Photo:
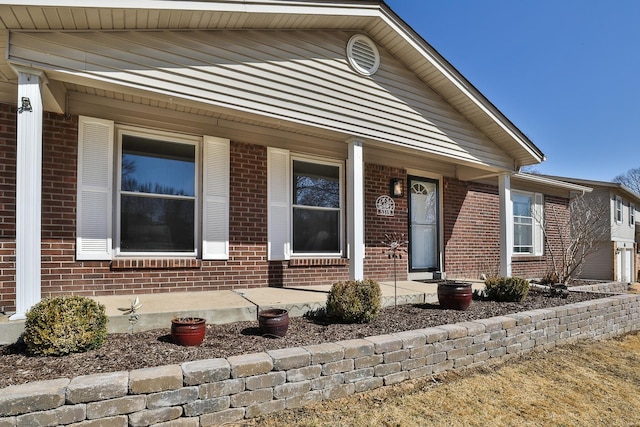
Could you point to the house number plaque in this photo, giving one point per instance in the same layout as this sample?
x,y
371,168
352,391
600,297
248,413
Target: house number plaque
x,y
385,206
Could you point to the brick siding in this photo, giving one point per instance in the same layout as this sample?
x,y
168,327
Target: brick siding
x,y
471,232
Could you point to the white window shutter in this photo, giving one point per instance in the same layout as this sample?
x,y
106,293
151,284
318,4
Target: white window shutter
x,y
279,199
95,197
538,224
215,203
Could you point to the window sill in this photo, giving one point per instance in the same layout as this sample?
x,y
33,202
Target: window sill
x,y
527,258
154,263
317,262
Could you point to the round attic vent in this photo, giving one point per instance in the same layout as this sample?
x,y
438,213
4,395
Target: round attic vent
x,y
363,54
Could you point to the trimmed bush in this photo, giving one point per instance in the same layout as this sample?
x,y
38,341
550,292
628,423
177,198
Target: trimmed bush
x,y
355,301
506,288
63,325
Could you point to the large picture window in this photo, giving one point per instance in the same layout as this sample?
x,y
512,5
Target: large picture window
x,y
317,207
157,197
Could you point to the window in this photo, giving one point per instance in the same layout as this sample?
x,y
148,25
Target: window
x,y
157,196
305,216
522,224
528,233
316,204
150,193
632,214
618,212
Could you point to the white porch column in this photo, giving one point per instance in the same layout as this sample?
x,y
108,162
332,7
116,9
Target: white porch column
x,y
506,224
28,190
355,210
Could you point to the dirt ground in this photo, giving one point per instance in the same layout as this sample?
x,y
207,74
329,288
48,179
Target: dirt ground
x,y
592,383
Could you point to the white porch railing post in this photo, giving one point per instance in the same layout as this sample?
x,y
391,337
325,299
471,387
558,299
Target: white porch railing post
x,y
355,210
506,224
28,191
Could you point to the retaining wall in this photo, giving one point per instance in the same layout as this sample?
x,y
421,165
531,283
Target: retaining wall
x,y
212,392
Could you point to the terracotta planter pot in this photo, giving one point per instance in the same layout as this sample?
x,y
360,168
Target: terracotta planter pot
x,y
274,322
188,331
455,295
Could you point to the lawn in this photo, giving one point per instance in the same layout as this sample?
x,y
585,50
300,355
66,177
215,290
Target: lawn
x,y
591,383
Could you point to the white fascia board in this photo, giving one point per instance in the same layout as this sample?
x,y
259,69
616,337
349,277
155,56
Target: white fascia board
x,y
538,179
454,76
258,6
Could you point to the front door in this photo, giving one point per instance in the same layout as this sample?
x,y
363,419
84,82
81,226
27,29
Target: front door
x,y
424,225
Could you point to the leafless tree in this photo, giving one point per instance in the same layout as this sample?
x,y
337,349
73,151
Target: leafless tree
x,y
630,179
571,238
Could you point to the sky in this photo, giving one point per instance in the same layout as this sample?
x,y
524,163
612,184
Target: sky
x,y
565,72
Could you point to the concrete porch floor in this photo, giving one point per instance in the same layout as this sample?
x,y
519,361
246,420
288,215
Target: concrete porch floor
x,y
219,307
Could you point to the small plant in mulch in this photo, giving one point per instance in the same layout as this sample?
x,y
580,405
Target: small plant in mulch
x,y
62,325
355,301
506,289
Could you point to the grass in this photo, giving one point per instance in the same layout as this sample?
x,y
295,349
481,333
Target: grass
x,y
591,383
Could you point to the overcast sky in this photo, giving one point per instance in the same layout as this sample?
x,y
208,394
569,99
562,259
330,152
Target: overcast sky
x,y
565,72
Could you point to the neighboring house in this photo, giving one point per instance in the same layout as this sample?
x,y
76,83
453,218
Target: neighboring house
x,y
190,146
617,256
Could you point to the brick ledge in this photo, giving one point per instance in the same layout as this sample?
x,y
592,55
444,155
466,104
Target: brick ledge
x,y
316,262
154,263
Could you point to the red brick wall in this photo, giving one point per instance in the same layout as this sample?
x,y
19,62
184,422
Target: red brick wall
x,y
61,274
377,264
472,232
471,229
7,206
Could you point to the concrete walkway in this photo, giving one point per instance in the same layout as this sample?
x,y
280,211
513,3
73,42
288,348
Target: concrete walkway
x,y
219,307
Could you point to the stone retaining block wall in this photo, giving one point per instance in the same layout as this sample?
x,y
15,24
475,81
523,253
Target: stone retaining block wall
x,y
212,392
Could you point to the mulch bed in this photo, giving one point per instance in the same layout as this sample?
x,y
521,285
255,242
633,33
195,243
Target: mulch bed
x,y
123,352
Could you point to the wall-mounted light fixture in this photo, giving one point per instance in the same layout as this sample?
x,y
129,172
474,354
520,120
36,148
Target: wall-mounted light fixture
x,y
397,187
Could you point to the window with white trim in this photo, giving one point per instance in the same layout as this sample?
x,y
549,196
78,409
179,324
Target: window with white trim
x,y
157,195
150,193
632,214
528,233
316,207
305,198
618,210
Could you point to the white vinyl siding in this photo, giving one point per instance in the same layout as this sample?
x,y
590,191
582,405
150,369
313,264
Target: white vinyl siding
x,y
95,180
300,77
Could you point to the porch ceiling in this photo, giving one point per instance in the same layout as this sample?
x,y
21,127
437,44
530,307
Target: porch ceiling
x,y
371,17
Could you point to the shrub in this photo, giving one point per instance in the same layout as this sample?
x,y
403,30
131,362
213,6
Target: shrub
x,y
506,288
355,301
63,325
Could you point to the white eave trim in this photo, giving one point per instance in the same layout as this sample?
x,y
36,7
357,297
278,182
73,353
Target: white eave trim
x,y
538,179
255,6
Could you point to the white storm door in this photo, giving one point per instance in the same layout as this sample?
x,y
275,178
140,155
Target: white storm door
x,y
423,225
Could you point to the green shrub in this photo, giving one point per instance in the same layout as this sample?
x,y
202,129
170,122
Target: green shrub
x,y
355,301
63,325
506,288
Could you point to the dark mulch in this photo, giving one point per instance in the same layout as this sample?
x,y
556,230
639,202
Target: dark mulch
x,y
123,352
